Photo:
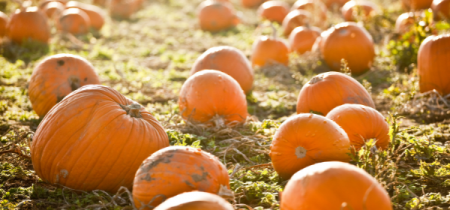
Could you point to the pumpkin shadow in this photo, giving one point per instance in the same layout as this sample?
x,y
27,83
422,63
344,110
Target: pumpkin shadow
x,y
28,51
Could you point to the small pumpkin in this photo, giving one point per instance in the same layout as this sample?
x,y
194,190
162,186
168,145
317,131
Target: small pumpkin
x,y
415,5
195,201
328,90
123,9
353,9
317,10
306,139
74,21
405,21
252,3
175,170
211,97
432,64
44,3
228,60
53,9
441,9
329,185
268,51
57,76
302,39
216,16
28,24
274,11
350,42
295,19
95,14
361,123
334,3
95,138
3,22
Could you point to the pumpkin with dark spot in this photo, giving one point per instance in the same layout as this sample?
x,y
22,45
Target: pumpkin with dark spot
x,y
95,138
55,77
175,170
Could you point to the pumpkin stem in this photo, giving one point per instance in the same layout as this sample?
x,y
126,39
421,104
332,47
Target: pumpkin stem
x,y
300,152
74,83
316,79
133,110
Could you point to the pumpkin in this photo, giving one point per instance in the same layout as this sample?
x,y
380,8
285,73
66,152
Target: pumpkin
x,y
175,170
28,24
274,11
350,42
53,9
316,8
122,8
43,4
195,201
228,60
216,16
74,21
212,97
95,138
3,22
295,19
328,90
415,5
268,51
94,13
432,64
353,9
330,185
441,9
334,3
302,39
405,21
57,76
251,3
361,123
306,139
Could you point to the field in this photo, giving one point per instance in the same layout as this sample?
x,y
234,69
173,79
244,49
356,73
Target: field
x,y
148,57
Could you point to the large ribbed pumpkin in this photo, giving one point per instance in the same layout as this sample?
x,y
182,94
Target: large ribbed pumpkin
x,y
95,14
268,51
95,138
316,8
74,21
195,201
334,185
212,97
415,5
328,90
28,24
57,76
295,19
350,42
306,139
274,11
361,123
441,9
432,64
358,8
175,170
302,39
3,22
216,16
228,60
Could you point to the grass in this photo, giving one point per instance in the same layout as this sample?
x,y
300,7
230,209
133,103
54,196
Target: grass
x,y
149,57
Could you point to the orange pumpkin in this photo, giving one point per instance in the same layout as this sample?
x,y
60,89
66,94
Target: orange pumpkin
x,y
195,201
28,24
361,123
328,90
274,11
252,3
175,170
212,97
302,39
3,22
95,138
95,14
306,139
216,16
405,21
441,9
415,5
57,76
330,185
295,19
334,3
44,3
353,9
122,8
432,64
74,21
228,60
268,51
350,42
53,9
317,10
